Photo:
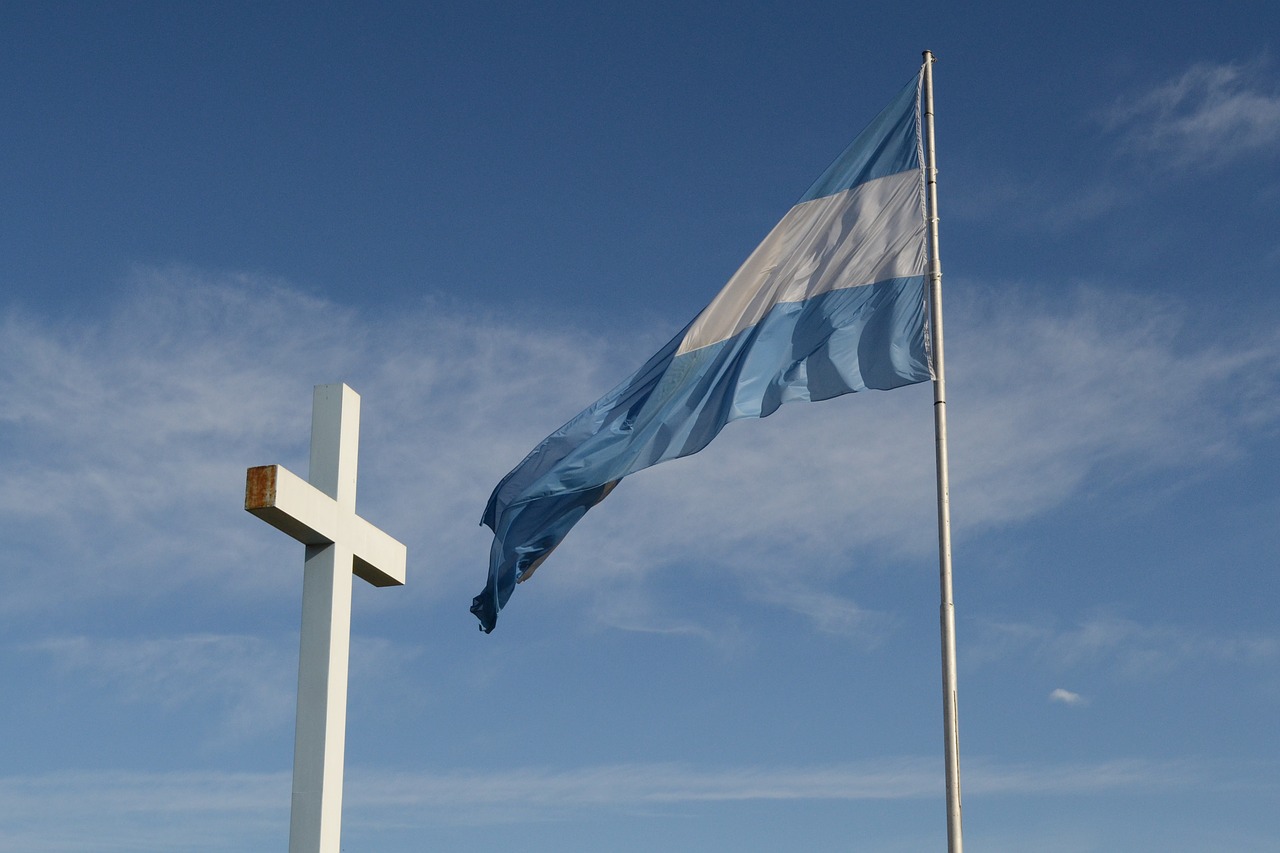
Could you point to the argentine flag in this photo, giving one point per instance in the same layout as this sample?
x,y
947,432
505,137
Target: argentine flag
x,y
832,301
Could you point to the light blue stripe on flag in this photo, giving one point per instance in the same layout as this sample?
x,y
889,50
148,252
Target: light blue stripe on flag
x,y
833,301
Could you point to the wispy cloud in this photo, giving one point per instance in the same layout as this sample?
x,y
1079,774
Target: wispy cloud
x,y
1051,398
130,436
1046,402
627,786
1066,697
1208,116
827,610
1129,648
80,812
242,685
244,681
215,811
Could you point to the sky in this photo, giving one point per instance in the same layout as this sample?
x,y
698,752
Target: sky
x,y
481,217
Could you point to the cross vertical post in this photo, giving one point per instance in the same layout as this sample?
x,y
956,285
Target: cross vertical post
x,y
321,513
319,746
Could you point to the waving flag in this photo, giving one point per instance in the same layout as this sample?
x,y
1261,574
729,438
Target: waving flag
x,y
832,301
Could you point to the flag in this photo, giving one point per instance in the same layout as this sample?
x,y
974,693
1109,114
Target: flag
x,y
833,301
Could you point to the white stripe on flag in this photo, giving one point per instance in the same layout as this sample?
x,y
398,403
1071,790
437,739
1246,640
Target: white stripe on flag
x,y
861,236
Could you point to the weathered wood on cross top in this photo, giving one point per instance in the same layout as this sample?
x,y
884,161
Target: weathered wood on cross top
x,y
320,512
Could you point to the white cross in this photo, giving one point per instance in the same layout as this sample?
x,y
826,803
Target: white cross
x,y
322,515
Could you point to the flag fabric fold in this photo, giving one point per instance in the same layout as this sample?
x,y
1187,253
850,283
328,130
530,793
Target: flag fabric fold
x,y
831,302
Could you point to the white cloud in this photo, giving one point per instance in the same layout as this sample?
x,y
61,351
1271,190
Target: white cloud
x,y
1044,404
1066,697
242,685
1209,115
81,812
1047,399
632,785
245,682
217,811
827,611
1124,646
130,435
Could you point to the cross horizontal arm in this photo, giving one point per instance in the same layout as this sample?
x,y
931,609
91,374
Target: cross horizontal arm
x,y
292,505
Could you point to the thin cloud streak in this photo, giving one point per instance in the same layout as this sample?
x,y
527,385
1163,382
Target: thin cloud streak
x,y
246,682
107,810
621,786
241,685
82,812
1128,648
1208,116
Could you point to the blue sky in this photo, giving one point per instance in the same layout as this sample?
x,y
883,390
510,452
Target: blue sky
x,y
482,216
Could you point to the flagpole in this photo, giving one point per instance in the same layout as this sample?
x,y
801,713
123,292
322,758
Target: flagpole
x,y
955,842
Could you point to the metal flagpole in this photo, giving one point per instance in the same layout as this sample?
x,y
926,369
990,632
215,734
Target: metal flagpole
x,y
955,842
